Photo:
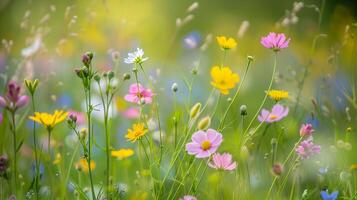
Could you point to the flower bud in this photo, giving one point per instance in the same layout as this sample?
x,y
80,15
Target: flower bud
x,y
3,163
243,110
250,58
126,76
174,87
204,123
110,75
277,169
87,58
73,117
194,71
97,78
306,130
195,110
83,134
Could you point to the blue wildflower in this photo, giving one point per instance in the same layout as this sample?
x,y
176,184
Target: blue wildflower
x,y
326,196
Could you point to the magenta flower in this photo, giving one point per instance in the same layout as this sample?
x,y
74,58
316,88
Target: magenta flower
x,y
277,113
131,113
307,148
139,94
306,130
188,197
222,162
204,144
12,99
275,41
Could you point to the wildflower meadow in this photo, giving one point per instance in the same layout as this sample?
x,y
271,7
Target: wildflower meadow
x,y
178,100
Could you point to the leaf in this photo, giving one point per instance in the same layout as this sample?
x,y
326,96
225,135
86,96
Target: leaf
x,y
19,146
80,191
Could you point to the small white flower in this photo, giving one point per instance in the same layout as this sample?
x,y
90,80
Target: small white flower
x,y
136,57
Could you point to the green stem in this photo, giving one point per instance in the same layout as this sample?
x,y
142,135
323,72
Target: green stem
x,y
14,148
35,149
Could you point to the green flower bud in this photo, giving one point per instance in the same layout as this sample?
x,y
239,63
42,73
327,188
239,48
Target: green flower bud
x,y
126,76
195,110
174,87
204,123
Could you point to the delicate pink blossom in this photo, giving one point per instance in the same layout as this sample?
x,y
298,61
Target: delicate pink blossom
x,y
204,143
275,41
138,94
188,197
306,130
13,98
277,113
307,148
222,161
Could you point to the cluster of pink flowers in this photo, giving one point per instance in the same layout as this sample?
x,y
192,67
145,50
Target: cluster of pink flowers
x,y
13,98
307,148
277,113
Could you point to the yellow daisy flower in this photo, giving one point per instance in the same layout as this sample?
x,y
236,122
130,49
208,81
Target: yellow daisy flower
x,y
278,95
223,79
49,120
122,153
82,165
226,43
136,133
58,159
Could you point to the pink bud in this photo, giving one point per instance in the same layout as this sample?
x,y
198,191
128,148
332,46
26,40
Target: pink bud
x,y
306,130
23,100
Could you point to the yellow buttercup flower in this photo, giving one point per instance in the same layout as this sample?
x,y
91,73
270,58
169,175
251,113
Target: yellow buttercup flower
x,y
278,95
223,79
82,165
122,153
136,133
49,120
226,43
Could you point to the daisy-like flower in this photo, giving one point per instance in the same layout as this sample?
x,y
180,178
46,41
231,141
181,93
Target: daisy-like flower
x,y
275,41
277,113
222,162
122,153
13,99
136,57
223,79
204,143
138,94
137,131
307,148
82,165
188,197
278,95
306,130
49,120
326,196
226,43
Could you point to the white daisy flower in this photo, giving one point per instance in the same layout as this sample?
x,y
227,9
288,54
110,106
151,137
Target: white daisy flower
x,y
136,57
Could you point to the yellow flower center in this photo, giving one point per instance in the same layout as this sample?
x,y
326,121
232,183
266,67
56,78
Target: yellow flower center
x,y
272,117
206,145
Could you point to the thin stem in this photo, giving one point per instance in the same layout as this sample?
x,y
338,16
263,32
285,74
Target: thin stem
x,y
14,148
221,124
35,148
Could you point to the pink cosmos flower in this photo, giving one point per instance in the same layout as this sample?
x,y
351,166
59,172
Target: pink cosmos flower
x,y
275,41
139,94
223,162
131,113
306,130
277,113
307,148
204,144
188,197
12,99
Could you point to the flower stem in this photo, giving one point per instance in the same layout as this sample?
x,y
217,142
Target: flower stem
x,y
35,149
14,148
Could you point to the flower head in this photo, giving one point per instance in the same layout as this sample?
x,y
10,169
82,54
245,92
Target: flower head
x,y
223,79
275,41
138,94
326,196
49,120
136,57
306,130
13,98
82,165
204,143
278,95
222,162
307,148
277,113
122,153
188,197
226,43
136,132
